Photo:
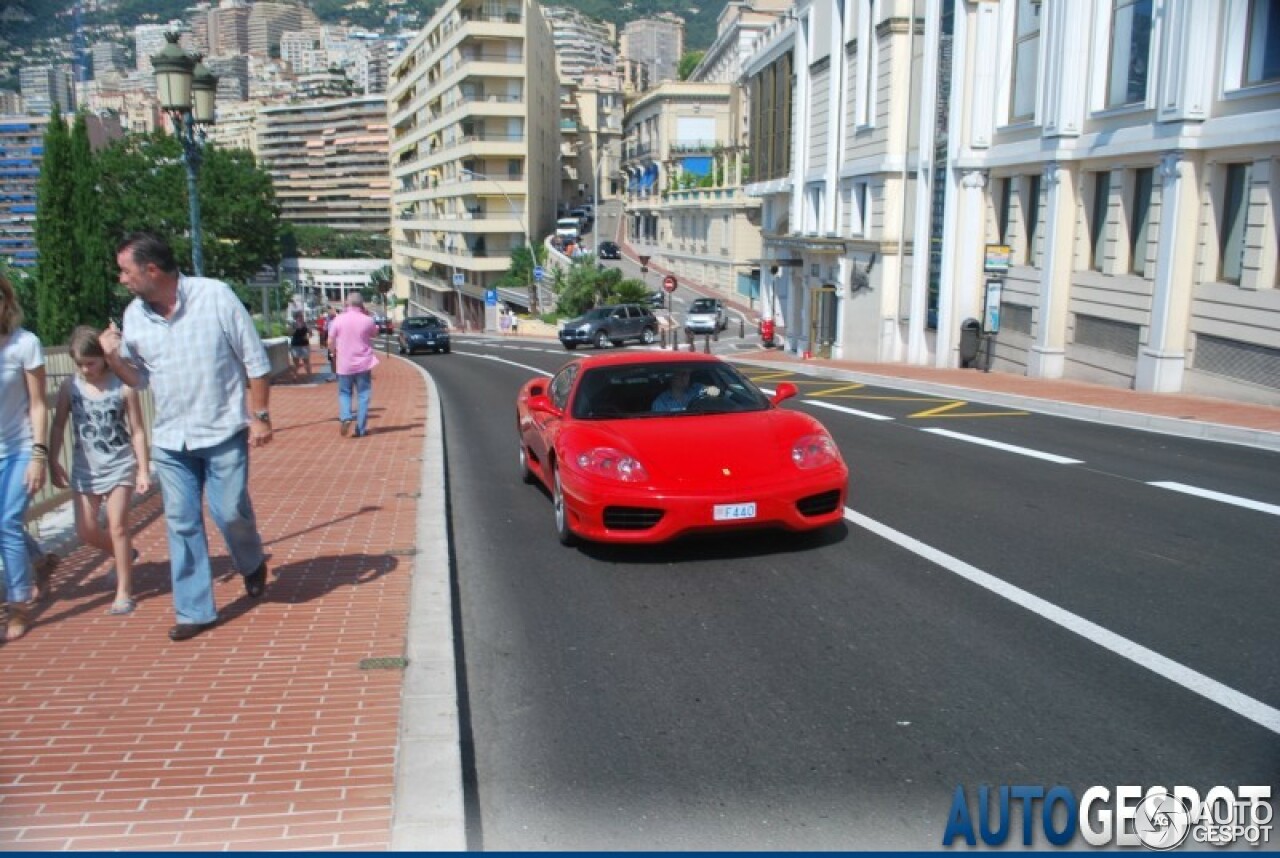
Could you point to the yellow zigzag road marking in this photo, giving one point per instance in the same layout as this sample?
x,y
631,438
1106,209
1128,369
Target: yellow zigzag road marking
x,y
945,410
834,390
769,376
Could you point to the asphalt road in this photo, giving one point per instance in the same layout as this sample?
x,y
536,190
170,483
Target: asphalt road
x,y
1046,612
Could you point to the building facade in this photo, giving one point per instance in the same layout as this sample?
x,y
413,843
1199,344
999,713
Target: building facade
x,y
656,45
21,153
474,114
581,43
1096,189
328,161
44,85
686,206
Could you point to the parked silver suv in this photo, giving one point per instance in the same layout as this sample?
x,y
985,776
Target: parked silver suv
x,y
706,316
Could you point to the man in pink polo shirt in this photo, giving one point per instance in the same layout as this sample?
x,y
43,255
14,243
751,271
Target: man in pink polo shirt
x,y
351,335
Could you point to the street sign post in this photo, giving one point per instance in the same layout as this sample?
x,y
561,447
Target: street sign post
x,y
644,264
459,279
538,273
669,283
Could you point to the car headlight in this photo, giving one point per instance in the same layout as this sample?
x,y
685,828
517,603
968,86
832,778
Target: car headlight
x,y
612,464
814,451
584,329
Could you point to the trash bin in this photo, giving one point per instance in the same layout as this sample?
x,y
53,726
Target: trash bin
x,y
970,340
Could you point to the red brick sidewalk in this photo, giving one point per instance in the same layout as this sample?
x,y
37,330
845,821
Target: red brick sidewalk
x,y
264,733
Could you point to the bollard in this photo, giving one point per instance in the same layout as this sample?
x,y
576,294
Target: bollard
x,y
706,344
662,338
742,327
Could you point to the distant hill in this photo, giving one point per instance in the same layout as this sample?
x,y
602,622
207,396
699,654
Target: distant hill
x,y
44,28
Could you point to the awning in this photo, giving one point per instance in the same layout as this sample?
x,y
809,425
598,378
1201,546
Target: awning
x,y
421,264
813,244
650,176
700,166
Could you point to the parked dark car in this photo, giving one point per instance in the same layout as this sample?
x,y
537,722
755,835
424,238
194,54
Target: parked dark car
x,y
384,324
614,325
657,300
610,250
424,332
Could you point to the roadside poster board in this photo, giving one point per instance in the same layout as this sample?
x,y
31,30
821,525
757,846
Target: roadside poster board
x,y
995,259
991,305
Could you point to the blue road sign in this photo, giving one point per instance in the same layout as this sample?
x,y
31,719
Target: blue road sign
x,y
538,273
459,279
491,297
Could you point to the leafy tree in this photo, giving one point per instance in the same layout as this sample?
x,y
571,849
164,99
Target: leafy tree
x,y
688,63
55,235
143,184
520,274
586,286
24,287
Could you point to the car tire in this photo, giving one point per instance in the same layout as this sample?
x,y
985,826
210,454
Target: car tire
x,y
448,348
400,348
563,531
647,336
569,346
602,340
526,475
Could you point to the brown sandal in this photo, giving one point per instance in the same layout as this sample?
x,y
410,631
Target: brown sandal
x,y
44,570
19,617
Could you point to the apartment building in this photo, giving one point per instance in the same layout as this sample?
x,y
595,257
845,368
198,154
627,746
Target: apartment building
x,y
44,85
474,115
328,161
21,153
228,28
686,206
269,21
1096,189
581,43
656,45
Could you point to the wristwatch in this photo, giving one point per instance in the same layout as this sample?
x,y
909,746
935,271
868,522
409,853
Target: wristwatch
x,y
264,416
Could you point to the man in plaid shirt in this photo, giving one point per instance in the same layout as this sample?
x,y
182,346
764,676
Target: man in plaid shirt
x,y
193,343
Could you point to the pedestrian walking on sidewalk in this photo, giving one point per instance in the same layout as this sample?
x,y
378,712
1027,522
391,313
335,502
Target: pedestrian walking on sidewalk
x,y
108,456
351,339
193,343
24,452
300,347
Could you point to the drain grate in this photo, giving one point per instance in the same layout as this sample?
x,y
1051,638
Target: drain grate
x,y
385,663
401,552
412,495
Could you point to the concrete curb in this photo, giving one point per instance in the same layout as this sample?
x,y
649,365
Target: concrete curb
x,y
428,808
1111,416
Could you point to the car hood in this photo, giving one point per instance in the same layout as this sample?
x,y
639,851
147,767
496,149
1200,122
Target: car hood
x,y
700,449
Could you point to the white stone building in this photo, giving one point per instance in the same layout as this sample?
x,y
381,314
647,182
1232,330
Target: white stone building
x,y
1125,153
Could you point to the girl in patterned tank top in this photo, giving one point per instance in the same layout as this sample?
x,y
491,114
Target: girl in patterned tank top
x,y
109,456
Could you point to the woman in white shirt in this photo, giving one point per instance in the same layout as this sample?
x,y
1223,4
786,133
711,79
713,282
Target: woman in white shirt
x,y
24,452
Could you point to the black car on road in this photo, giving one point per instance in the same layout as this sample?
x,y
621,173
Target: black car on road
x,y
424,332
609,250
612,325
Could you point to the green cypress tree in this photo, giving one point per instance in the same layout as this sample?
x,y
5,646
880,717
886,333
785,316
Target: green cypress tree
x,y
55,239
95,263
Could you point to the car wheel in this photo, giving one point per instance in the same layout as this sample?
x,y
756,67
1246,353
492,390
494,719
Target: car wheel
x,y
448,348
526,475
563,531
401,347
569,346
647,336
602,340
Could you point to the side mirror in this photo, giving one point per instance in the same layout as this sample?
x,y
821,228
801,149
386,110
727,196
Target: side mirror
x,y
542,404
784,391
537,389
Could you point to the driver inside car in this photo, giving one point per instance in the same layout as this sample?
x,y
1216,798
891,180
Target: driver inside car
x,y
683,390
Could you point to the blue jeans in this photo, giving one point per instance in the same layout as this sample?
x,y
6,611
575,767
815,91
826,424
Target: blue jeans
x,y
222,473
364,386
13,508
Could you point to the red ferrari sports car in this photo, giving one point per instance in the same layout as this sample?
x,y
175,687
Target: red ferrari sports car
x,y
646,446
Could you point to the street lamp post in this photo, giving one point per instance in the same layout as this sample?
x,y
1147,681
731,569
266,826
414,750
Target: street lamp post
x,y
533,257
186,89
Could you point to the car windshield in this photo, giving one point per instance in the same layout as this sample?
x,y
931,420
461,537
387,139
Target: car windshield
x,y
637,391
703,305
421,322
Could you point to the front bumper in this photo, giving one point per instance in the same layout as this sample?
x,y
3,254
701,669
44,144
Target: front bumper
x,y
615,512
576,337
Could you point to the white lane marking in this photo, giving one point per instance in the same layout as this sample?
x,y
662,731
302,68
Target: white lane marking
x,y
1194,681
497,359
855,412
1218,496
1008,448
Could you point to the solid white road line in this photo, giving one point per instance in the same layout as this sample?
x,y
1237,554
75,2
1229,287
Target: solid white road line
x,y
855,412
1271,508
1210,689
497,359
1008,448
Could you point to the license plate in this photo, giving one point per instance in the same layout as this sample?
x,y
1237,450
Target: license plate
x,y
733,511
